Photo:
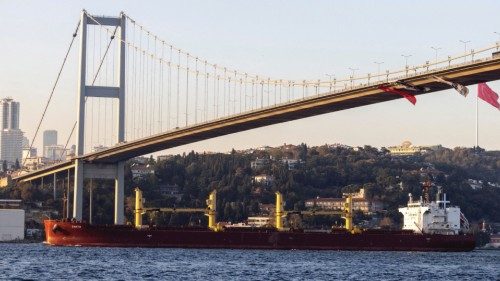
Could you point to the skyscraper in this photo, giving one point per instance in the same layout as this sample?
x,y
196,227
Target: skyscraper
x,y
9,110
49,139
11,138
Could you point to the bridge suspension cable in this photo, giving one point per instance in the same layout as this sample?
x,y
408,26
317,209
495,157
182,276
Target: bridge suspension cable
x,y
168,87
52,91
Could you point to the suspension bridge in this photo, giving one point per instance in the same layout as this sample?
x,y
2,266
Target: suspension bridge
x,y
138,94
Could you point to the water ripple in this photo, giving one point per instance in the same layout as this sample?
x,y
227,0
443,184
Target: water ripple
x,y
40,262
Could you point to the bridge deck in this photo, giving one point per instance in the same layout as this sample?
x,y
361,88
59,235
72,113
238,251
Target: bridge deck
x,y
467,74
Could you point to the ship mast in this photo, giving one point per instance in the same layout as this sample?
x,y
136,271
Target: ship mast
x,y
425,191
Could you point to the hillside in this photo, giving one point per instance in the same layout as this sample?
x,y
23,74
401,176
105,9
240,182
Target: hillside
x,y
470,178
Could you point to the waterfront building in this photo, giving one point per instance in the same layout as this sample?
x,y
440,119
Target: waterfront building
x,y
11,224
264,179
259,163
162,158
266,208
291,163
359,203
34,163
494,241
10,203
171,190
141,170
407,148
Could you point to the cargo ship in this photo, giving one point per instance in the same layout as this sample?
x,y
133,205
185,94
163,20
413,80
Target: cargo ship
x,y
428,226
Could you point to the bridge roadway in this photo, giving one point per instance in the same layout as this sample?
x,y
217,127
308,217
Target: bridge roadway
x,y
470,73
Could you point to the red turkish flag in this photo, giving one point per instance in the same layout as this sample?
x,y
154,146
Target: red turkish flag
x,y
402,93
486,93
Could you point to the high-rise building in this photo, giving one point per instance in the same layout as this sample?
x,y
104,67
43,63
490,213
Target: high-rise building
x,y
11,137
9,111
49,139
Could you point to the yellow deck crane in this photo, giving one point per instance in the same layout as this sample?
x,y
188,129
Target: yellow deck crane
x,y
346,213
210,211
279,212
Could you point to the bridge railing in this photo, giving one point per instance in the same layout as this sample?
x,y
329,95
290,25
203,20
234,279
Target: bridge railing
x,y
471,57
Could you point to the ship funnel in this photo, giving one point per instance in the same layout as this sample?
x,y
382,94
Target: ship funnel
x,y
138,208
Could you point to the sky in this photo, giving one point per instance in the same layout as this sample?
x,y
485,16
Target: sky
x,y
292,39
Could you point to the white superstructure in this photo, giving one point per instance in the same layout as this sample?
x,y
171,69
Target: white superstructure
x,y
432,217
258,221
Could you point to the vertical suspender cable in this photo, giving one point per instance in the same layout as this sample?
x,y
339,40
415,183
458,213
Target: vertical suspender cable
x,y
214,94
234,93
241,89
160,102
178,88
229,100
153,89
169,95
205,100
245,95
187,87
261,94
196,93
224,93
134,71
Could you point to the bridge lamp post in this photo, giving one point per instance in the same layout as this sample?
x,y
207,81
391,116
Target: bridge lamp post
x,y
331,76
352,75
406,62
465,48
378,63
436,49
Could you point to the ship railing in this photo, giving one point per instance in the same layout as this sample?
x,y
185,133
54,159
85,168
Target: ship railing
x,y
464,221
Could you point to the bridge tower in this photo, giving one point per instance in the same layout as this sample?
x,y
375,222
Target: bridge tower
x,y
102,171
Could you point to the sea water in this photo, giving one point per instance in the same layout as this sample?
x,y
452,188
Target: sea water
x,y
41,262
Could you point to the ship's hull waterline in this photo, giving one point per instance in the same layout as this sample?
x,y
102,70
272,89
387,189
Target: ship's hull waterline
x,y
65,233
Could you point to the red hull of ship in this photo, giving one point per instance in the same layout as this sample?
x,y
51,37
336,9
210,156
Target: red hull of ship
x,y
59,233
